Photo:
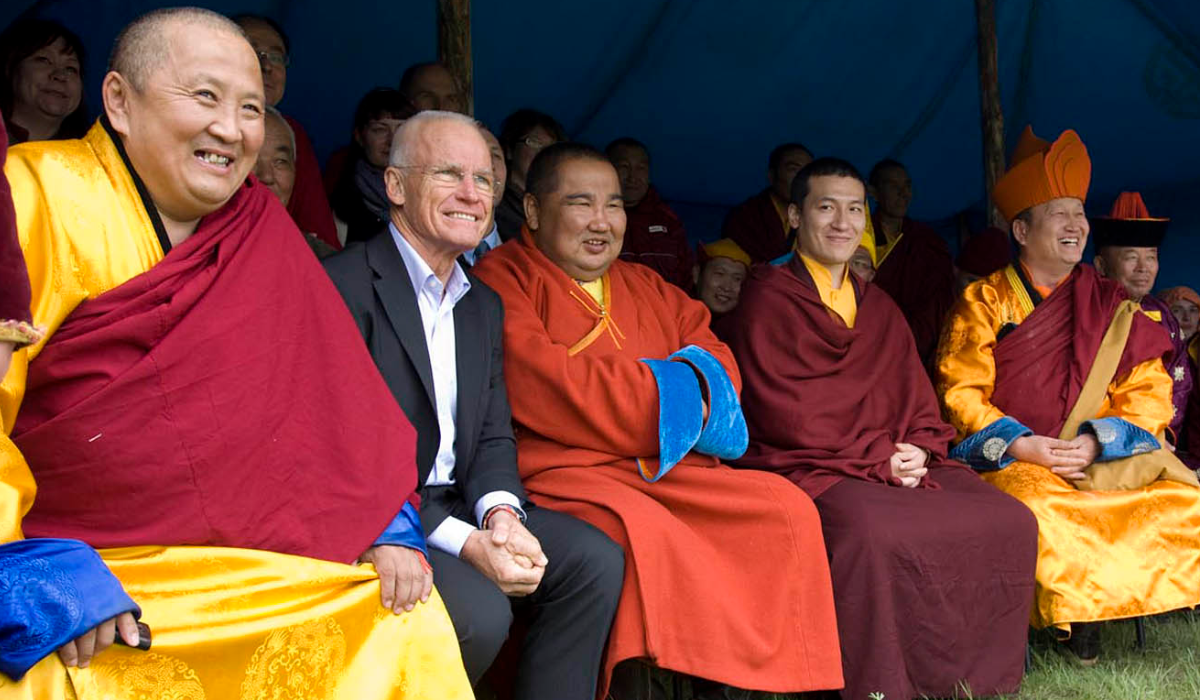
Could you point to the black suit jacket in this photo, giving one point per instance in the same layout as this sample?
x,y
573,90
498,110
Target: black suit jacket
x,y
376,286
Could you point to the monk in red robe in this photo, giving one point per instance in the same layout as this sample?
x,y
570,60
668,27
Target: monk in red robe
x,y
914,263
654,234
933,569
168,450
308,205
623,402
759,224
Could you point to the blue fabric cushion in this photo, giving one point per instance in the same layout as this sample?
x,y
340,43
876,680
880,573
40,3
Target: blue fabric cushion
x,y
52,591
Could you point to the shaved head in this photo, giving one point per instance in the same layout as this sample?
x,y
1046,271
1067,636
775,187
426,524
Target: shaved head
x,y
143,44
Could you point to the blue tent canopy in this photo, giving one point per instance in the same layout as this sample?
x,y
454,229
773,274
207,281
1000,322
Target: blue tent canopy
x,y
712,86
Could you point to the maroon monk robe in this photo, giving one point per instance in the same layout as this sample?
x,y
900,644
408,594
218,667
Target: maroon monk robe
x,y
918,273
224,397
655,237
14,278
756,227
309,205
1042,363
932,585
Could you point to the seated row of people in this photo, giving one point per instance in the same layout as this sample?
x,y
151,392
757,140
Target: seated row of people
x,y
556,433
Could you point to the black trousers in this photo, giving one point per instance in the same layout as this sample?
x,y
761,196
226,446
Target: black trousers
x,y
570,613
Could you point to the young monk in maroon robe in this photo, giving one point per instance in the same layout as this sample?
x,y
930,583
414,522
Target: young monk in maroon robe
x,y
725,574
933,569
759,224
915,267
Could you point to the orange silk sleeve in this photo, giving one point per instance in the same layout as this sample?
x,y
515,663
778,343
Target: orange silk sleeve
x,y
1142,397
966,368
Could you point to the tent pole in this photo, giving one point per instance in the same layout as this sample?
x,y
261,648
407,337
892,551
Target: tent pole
x,y
454,45
989,104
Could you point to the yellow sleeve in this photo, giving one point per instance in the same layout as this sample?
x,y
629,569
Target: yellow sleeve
x,y
17,486
966,368
1142,397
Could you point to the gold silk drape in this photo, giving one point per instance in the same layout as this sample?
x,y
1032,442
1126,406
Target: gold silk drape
x,y
1102,555
227,623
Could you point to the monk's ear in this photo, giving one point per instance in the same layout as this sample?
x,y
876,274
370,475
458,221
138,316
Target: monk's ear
x,y
117,93
793,215
395,185
531,211
1020,231
872,191
696,275
1099,264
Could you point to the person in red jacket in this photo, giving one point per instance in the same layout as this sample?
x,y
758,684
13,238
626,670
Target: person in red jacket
x,y
654,234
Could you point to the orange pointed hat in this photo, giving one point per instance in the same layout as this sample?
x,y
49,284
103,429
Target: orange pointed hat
x,y
1041,171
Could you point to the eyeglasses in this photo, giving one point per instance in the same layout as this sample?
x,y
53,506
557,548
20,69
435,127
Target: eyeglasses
x,y
453,177
275,58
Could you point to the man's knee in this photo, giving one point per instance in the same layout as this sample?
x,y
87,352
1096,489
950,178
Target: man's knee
x,y
597,564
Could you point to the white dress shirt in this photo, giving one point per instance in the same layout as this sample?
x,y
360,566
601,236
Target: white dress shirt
x,y
436,304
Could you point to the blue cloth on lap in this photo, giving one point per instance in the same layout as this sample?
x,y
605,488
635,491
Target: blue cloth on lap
x,y
52,591
725,435
680,413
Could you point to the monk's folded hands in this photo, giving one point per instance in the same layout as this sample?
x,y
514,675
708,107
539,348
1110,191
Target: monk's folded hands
x,y
1063,457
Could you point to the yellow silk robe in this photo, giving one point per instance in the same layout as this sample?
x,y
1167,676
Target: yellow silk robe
x,y
1102,555
227,623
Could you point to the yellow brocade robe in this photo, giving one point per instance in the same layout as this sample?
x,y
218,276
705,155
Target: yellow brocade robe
x,y
1102,555
227,623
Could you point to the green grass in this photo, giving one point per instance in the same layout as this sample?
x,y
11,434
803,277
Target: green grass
x,y
1168,668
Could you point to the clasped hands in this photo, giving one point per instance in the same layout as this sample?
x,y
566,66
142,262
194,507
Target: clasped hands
x,y
1066,458
507,553
909,464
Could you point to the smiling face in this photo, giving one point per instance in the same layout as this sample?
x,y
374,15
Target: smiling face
x,y
720,284
1052,240
1135,268
47,81
831,220
580,226
439,204
194,130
